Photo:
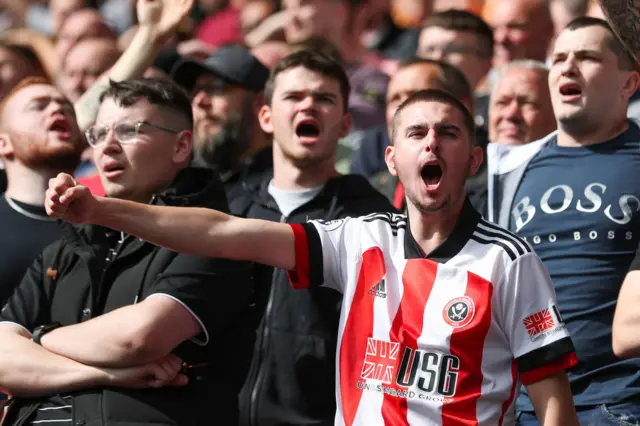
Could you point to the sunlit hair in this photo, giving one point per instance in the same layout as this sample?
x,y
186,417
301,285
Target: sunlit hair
x,y
25,82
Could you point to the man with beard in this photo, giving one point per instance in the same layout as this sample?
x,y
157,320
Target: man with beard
x,y
440,319
39,138
227,95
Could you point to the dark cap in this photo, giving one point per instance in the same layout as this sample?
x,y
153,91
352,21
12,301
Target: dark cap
x,y
231,63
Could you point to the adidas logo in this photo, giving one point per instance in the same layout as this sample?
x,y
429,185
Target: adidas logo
x,y
379,290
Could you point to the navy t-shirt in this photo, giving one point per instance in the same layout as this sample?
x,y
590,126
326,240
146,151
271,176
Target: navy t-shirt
x,y
579,208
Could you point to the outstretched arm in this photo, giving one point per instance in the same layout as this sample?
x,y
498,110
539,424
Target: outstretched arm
x,y
196,231
624,16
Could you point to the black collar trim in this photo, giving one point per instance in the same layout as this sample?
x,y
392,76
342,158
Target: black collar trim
x,y
452,245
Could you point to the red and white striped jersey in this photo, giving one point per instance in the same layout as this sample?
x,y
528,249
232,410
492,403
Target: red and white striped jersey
x,y
440,340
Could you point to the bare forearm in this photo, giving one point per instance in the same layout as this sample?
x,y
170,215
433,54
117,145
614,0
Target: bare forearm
x,y
29,370
140,54
201,232
624,16
626,321
553,402
106,341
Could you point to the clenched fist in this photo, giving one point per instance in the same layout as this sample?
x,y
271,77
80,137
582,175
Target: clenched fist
x,y
66,199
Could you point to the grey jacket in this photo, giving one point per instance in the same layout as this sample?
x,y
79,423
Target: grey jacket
x,y
506,166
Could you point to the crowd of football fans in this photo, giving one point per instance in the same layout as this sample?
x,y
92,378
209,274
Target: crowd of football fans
x,y
555,96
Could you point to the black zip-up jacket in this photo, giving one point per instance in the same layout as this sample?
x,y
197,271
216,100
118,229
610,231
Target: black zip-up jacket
x,y
292,375
73,281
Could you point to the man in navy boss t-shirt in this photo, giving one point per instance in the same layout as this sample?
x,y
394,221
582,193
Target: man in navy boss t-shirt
x,y
575,197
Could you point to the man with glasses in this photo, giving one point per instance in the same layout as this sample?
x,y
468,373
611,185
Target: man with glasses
x,y
108,328
226,92
465,41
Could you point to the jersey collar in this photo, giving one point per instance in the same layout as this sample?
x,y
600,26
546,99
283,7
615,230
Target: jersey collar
x,y
454,243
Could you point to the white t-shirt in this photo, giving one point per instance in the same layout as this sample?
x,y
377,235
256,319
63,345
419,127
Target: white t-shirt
x,y
288,200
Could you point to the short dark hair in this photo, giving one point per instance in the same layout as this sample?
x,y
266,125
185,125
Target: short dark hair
x,y
462,20
441,96
453,80
625,59
318,44
156,91
313,61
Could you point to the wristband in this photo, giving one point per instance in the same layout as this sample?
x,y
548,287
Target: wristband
x,y
42,330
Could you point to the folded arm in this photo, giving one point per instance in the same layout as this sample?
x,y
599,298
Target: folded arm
x,y
126,337
29,370
552,400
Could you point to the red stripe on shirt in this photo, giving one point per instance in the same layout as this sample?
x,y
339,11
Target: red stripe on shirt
x,y
357,330
300,276
562,363
417,279
467,344
512,394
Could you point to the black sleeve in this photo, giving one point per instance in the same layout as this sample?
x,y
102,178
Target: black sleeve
x,y
215,291
28,306
635,263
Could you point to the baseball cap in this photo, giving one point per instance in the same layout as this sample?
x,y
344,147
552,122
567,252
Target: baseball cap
x,y
233,64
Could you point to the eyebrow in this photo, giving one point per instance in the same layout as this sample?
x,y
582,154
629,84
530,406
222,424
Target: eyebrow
x,y
59,99
313,93
579,52
438,126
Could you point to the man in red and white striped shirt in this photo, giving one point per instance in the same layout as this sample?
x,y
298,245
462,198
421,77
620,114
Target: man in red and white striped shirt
x,y
443,315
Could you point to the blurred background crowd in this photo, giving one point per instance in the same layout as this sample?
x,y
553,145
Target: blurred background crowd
x,y
493,55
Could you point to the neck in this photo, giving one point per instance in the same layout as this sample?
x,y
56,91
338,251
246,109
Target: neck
x,y
430,229
291,177
27,185
593,135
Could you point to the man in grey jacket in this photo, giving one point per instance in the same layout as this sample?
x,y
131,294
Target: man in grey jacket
x,y
574,197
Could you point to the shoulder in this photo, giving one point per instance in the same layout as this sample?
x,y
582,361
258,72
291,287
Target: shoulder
x,y
391,222
358,197
502,159
491,235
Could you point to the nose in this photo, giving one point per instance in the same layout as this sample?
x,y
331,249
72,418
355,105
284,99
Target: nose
x,y
202,100
568,66
110,143
433,141
306,104
512,111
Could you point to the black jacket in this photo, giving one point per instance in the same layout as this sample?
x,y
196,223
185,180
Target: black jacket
x,y
84,284
291,380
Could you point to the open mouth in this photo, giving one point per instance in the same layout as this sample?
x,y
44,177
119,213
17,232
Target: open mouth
x,y
308,129
111,168
570,89
60,125
431,175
